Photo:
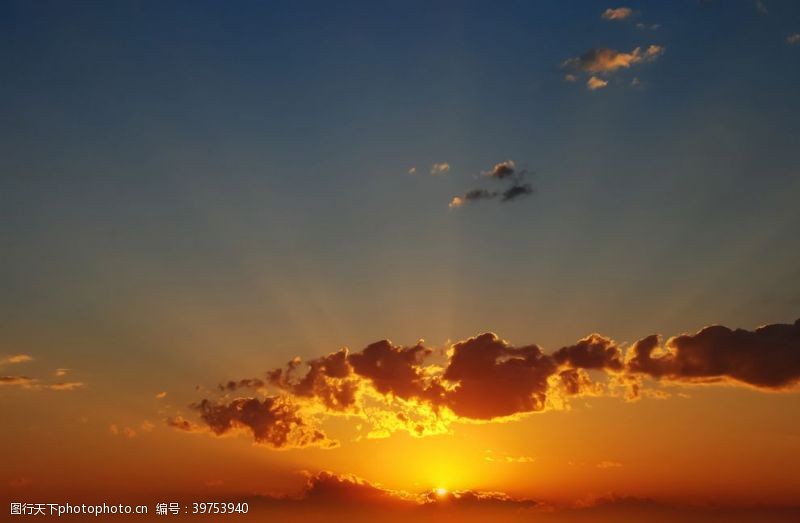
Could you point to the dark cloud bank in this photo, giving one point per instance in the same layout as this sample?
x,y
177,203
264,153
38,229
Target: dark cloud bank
x,y
485,378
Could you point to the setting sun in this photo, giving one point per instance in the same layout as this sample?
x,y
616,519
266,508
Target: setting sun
x,y
441,492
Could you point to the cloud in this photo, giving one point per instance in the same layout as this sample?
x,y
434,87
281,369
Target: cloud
x,y
389,388
619,13
515,191
793,39
471,196
16,358
505,171
246,383
440,168
608,465
494,379
569,77
594,83
329,489
396,370
28,383
71,385
494,457
161,395
328,379
413,170
592,352
127,432
17,381
605,61
501,170
274,421
761,8
181,423
768,357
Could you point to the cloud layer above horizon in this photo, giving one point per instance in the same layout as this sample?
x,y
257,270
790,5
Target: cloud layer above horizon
x,y
423,391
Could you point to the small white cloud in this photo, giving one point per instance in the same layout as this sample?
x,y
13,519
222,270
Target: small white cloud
x,y
793,39
440,168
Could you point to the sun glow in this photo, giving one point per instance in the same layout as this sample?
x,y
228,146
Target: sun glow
x,y
441,492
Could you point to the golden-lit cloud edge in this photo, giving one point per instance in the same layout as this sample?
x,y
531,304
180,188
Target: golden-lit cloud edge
x,y
483,379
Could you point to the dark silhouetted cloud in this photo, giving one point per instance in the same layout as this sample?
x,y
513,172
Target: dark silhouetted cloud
x,y
494,379
274,421
768,357
505,171
390,387
516,191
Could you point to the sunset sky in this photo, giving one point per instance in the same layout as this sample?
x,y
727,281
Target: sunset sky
x,y
493,207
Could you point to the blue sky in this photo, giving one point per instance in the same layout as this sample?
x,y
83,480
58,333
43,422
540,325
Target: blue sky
x,y
207,174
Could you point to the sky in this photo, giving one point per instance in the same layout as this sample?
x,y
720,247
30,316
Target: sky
x,y
518,195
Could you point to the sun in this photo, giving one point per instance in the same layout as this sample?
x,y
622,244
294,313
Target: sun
x,y
441,492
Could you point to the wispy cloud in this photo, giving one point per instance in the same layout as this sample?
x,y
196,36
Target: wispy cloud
x,y
15,358
29,383
603,60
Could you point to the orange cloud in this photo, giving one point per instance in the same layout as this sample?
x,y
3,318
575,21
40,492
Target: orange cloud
x,y
28,383
71,385
594,83
619,13
16,358
17,381
604,61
